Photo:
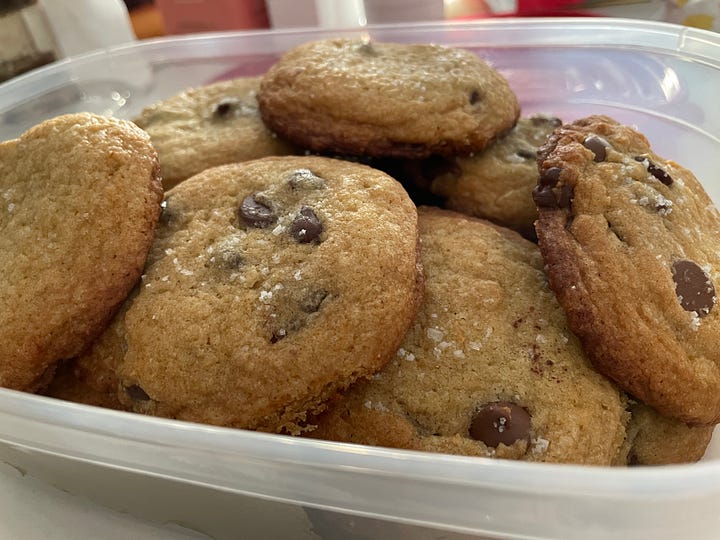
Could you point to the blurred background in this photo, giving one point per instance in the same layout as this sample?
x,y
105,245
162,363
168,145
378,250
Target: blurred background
x,y
36,32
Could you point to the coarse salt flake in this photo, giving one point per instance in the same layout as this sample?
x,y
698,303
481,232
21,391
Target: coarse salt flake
x,y
539,445
434,333
265,296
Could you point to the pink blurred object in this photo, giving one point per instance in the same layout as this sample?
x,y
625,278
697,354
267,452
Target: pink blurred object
x,y
193,16
545,7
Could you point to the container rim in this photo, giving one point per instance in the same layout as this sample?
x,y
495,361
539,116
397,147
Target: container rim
x,y
694,44
74,421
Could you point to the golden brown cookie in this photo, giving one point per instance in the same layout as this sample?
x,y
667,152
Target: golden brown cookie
x,y
271,285
91,378
659,440
497,183
207,126
80,199
631,243
489,368
386,99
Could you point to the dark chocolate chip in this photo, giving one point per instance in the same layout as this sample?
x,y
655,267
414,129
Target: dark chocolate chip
x,y
224,107
256,214
656,171
306,227
526,154
566,197
305,179
277,335
544,197
693,287
541,120
544,194
500,422
136,393
598,146
474,97
549,177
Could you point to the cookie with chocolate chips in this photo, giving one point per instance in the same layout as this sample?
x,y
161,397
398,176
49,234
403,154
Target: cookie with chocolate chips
x,y
489,367
356,97
208,126
631,243
271,285
497,183
80,199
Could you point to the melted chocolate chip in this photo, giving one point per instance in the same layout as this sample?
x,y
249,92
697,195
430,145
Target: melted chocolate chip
x,y
136,393
566,196
547,197
540,120
500,422
474,97
598,146
693,287
224,107
305,179
256,214
656,171
549,177
544,197
299,308
526,154
306,227
277,335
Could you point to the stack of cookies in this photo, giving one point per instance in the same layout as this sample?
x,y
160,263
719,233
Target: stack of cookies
x,y
295,278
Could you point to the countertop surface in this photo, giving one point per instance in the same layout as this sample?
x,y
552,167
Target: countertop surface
x,y
32,510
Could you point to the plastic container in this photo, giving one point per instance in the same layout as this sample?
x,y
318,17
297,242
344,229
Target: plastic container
x,y
233,483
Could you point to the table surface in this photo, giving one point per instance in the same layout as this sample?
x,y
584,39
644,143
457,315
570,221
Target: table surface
x,y
33,510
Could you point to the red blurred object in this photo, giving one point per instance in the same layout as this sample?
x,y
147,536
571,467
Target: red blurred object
x,y
529,7
189,16
539,8
551,8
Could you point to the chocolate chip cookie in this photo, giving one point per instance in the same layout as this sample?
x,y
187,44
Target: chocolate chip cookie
x,y
489,367
271,285
359,97
497,183
659,440
80,199
208,126
91,378
631,243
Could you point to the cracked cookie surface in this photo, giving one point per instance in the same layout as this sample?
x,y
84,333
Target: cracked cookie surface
x,y
631,243
272,284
